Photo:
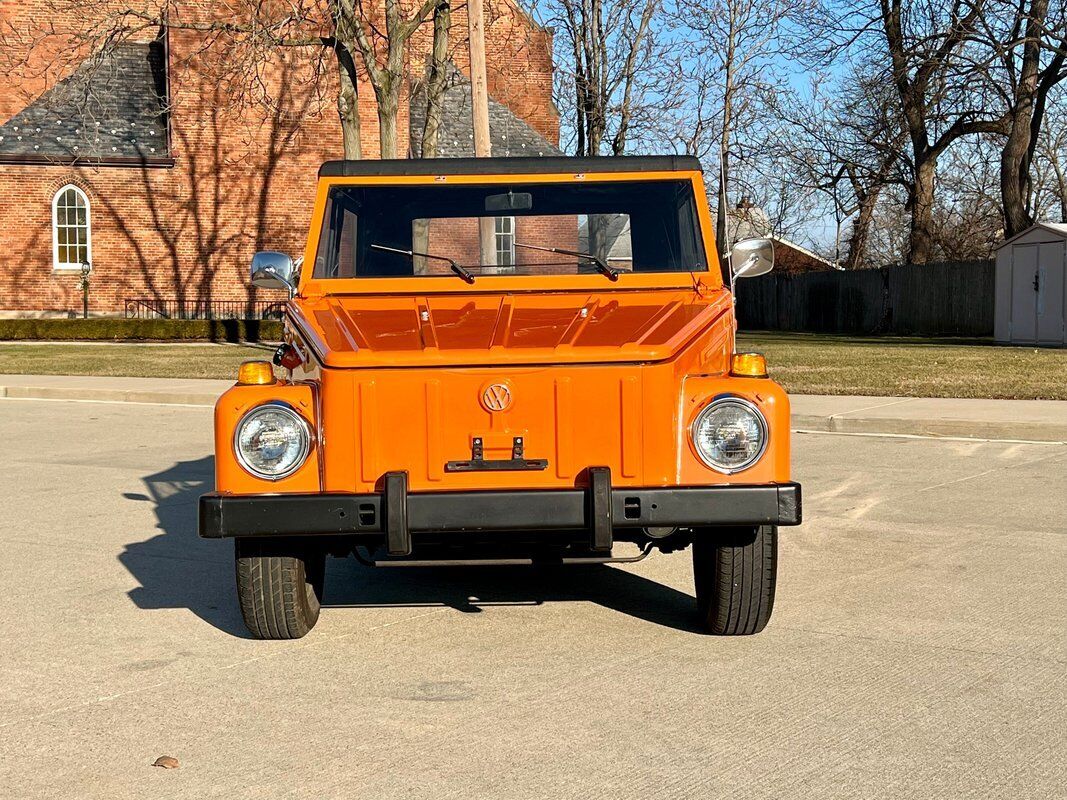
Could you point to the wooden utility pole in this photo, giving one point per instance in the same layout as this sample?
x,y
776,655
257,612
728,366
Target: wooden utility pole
x,y
483,147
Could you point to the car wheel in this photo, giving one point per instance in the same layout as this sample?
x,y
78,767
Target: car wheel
x,y
735,571
279,585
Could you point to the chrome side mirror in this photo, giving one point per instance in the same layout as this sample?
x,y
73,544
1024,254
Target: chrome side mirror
x,y
273,270
752,257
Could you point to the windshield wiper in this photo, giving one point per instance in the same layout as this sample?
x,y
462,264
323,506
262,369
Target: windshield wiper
x,y
601,266
456,268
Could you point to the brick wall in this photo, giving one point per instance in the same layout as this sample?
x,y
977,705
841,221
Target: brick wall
x,y
243,175
458,239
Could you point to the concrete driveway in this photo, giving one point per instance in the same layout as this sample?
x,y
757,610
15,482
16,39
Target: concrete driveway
x,y
917,647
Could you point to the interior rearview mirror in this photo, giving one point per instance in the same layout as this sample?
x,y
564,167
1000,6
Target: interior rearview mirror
x,y
512,201
752,257
273,270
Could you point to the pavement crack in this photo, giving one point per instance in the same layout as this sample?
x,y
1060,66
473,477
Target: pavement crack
x,y
841,414
983,473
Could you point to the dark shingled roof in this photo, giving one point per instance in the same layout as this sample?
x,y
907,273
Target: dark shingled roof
x,y
113,107
510,136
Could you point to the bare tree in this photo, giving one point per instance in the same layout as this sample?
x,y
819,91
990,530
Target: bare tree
x,y
1032,47
435,85
386,73
924,42
967,212
437,79
606,60
962,69
736,45
846,144
889,230
1050,171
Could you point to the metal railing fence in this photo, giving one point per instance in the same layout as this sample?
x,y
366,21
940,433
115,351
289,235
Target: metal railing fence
x,y
154,308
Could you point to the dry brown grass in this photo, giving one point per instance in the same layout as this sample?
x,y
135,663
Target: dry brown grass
x,y
132,360
810,364
803,363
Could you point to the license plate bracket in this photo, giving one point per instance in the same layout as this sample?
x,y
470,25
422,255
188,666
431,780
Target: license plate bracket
x,y
479,463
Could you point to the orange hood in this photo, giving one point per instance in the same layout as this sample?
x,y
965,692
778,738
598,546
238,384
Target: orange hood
x,y
502,328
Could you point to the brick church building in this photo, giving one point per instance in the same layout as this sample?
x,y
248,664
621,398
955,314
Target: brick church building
x,y
147,165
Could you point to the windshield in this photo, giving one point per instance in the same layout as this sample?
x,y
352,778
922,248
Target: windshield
x,y
510,229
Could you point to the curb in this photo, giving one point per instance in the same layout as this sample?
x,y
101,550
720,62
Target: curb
x,y
954,428
206,400
1018,430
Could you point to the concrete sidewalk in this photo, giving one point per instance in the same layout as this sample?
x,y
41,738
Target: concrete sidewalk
x,y
166,391
1030,420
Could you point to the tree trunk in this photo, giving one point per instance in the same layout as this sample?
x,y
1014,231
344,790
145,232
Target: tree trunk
x,y
436,81
593,39
721,210
618,143
1026,116
348,111
722,222
921,240
1015,178
861,229
594,136
435,96
1017,153
580,93
579,119
388,106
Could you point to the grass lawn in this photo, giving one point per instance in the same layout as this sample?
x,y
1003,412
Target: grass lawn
x,y
907,367
803,363
133,360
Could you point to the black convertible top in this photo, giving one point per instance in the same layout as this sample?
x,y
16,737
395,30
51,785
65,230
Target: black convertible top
x,y
524,165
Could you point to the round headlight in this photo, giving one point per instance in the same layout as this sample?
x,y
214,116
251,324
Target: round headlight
x,y
730,434
272,441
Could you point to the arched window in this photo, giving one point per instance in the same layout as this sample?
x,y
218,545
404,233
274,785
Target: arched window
x,y
72,243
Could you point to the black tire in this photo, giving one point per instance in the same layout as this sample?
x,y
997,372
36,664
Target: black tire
x,y
735,571
279,585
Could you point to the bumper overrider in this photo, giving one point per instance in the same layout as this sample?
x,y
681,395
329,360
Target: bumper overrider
x,y
598,509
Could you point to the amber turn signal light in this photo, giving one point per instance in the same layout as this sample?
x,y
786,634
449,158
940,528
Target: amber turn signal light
x,y
748,365
255,373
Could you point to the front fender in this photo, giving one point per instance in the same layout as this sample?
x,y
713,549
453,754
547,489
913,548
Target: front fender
x,y
768,397
230,476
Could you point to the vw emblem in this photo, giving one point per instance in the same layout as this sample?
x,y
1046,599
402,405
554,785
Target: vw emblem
x,y
496,397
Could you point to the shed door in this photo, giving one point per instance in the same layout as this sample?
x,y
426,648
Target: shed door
x,y
1023,293
1050,270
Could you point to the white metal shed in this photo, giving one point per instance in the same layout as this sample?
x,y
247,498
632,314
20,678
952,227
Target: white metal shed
x,y
1031,286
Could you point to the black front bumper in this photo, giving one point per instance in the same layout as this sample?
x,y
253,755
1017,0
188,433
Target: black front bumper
x,y
599,509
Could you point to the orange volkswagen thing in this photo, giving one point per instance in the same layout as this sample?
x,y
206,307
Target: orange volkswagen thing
x,y
505,361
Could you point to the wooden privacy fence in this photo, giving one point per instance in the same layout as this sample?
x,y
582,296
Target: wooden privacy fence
x,y
950,299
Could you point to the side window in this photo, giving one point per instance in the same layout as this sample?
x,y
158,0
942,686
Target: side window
x,y
505,241
71,229
336,256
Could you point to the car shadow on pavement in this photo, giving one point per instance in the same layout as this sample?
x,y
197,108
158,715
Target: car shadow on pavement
x,y
176,568
350,584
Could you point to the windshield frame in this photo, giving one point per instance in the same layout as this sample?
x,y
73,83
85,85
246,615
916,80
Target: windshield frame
x,y
311,286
